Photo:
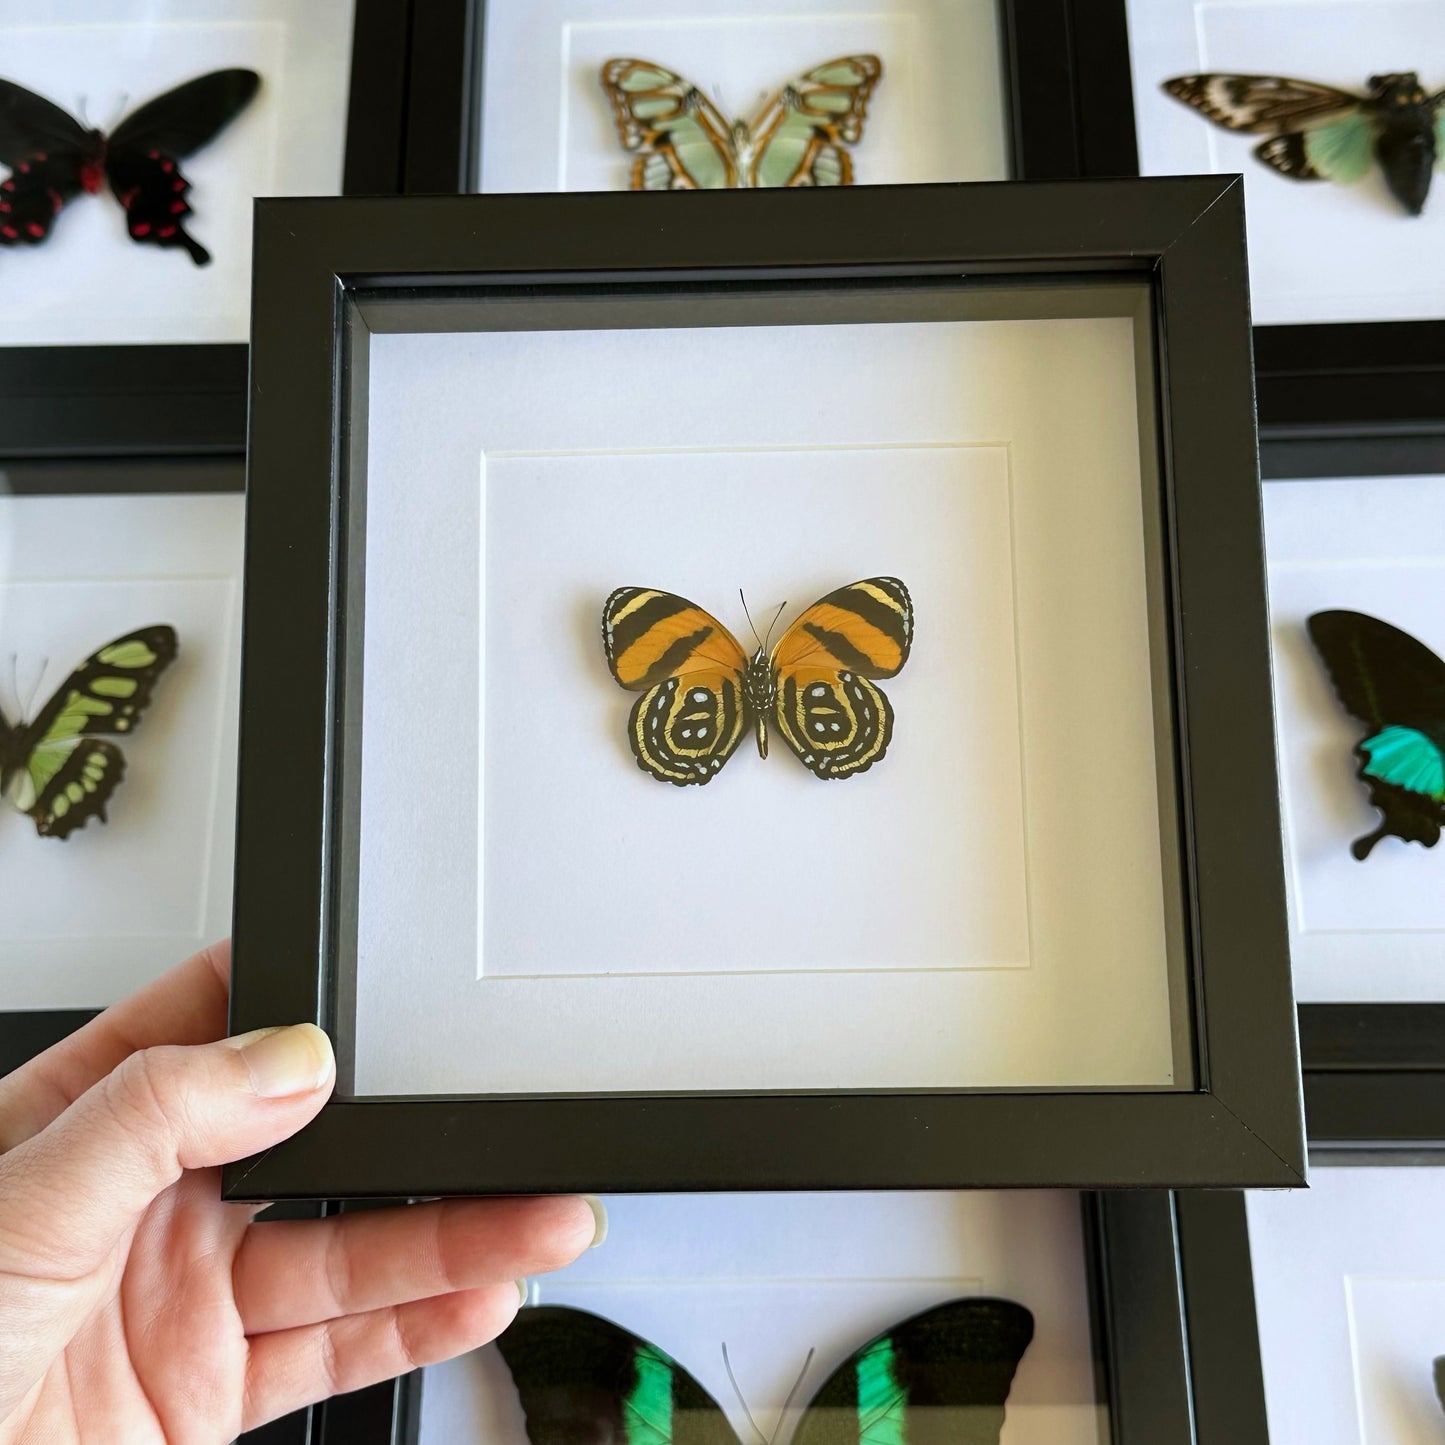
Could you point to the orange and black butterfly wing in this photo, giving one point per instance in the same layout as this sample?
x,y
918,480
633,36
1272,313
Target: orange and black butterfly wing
x,y
828,708
689,668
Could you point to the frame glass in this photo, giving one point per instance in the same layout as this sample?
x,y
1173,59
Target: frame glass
x,y
425,285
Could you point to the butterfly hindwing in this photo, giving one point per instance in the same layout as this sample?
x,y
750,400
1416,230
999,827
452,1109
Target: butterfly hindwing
x,y
55,768
584,1381
828,709
940,1378
693,711
1396,686
682,141
142,155
801,135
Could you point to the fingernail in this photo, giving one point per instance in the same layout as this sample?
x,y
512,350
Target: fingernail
x,y
295,1060
522,1289
599,1219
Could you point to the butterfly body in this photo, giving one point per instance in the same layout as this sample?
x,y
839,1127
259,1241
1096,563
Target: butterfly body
x,y
684,142
57,769
53,159
940,1376
1318,132
701,692
1396,686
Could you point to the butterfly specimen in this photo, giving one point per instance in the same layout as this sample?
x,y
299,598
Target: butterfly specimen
x,y
684,143
56,769
1396,687
701,691
943,1375
1318,133
53,157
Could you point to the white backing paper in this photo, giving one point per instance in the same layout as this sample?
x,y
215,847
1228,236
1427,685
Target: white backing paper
x,y
1371,931
1349,1285
1317,251
983,907
936,115
774,1275
88,282
87,919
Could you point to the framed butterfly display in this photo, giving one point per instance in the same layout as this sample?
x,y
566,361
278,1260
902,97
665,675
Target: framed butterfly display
x,y
946,1371
1020,735
61,767
702,694
53,158
801,137
1320,133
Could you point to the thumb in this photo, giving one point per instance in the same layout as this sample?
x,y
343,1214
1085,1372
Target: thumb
x,y
71,1193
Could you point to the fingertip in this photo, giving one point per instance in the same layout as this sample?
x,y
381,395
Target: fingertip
x,y
284,1062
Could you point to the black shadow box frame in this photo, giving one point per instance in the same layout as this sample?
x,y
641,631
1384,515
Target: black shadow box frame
x,y
1062,60
328,272
1321,380
1374,1073
190,399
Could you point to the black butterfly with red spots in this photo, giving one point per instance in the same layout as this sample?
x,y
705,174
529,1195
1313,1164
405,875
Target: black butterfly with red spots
x,y
52,158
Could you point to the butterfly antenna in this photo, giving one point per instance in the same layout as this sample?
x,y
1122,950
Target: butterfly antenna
x,y
773,624
733,1381
761,644
797,1385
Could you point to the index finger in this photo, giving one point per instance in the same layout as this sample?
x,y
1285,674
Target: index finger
x,y
186,1005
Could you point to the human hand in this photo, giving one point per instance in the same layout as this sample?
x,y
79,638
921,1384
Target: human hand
x,y
136,1306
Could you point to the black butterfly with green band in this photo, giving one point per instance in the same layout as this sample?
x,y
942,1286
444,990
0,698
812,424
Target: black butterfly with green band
x,y
1319,133
941,1376
1396,687
59,768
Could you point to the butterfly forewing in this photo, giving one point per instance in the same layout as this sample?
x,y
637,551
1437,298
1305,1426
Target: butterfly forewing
x,y
1260,103
55,768
693,711
683,140
940,1378
799,138
1396,686
584,1381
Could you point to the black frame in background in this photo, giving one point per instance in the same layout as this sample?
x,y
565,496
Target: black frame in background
x,y
184,399
319,263
1314,380
1061,60
1374,1073
1171,1296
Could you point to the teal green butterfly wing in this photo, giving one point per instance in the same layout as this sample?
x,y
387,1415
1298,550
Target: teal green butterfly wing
x,y
60,769
1396,686
941,1376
